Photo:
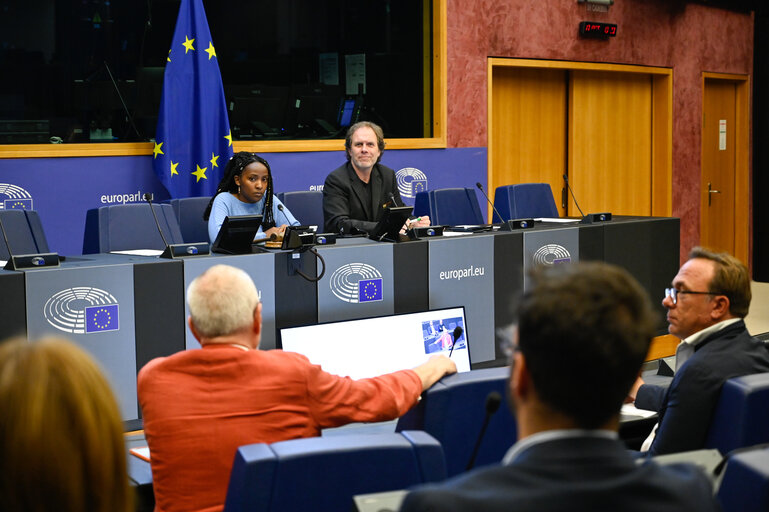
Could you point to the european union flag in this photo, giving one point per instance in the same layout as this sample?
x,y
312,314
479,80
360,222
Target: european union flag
x,y
102,318
193,141
418,186
18,204
370,290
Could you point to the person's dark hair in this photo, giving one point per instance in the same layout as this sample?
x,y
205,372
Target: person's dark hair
x,y
365,124
731,278
584,330
235,167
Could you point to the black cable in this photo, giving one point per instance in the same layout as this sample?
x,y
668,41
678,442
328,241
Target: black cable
x,y
322,272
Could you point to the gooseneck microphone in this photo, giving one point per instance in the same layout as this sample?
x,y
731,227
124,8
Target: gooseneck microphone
x,y
493,399
480,187
176,250
280,207
148,198
19,261
457,334
566,180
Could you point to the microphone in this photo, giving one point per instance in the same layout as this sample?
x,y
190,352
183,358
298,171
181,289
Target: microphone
x,y
175,250
44,259
457,333
392,198
507,225
591,217
280,207
493,399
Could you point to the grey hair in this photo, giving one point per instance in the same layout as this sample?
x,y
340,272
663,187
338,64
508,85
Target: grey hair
x,y
222,301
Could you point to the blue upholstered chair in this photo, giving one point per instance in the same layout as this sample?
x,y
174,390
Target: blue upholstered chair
x,y
523,201
305,205
741,417
745,486
324,473
129,226
449,206
189,214
25,233
453,411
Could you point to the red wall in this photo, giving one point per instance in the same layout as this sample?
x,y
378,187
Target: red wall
x,y
688,38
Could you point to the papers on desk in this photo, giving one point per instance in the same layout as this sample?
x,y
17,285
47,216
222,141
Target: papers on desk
x,y
139,252
3,263
143,452
446,233
557,220
632,410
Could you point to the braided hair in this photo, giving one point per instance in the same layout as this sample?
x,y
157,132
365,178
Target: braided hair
x,y
235,167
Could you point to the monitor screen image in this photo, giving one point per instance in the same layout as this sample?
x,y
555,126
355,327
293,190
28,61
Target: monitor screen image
x,y
374,346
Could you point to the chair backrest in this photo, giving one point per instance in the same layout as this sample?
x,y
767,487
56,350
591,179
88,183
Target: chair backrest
x,y
524,201
449,206
324,473
123,227
25,233
189,214
741,417
745,485
453,411
305,205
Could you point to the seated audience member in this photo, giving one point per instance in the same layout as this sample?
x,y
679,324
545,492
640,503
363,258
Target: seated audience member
x,y
246,189
582,333
355,194
62,443
199,406
706,305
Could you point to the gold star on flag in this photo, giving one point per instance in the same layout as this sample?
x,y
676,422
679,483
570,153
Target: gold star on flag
x,y
158,150
229,138
188,44
173,168
169,56
210,50
200,173
213,160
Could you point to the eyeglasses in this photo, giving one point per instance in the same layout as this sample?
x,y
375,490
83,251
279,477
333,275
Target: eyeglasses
x,y
673,294
509,348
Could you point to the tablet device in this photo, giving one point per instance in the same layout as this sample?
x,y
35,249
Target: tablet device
x,y
389,226
237,234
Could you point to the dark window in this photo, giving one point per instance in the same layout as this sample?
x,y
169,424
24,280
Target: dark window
x,y
73,71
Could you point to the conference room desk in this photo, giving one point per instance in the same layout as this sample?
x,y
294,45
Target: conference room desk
x,y
482,272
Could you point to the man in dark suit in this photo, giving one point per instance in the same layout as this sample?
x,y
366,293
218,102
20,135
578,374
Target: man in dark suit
x,y
355,194
706,305
582,334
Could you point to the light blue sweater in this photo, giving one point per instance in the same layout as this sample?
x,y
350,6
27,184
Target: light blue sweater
x,y
227,205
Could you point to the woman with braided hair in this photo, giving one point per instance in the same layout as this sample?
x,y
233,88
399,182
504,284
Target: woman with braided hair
x,y
246,189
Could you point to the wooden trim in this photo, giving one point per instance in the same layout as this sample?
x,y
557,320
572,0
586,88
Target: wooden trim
x,y
585,66
662,346
437,141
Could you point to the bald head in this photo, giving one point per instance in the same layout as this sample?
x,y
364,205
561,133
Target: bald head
x,y
222,301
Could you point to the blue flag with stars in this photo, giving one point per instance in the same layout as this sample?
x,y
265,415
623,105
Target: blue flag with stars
x,y
193,141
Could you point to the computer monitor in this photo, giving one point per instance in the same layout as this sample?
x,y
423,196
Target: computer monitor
x,y
374,346
237,234
389,226
349,111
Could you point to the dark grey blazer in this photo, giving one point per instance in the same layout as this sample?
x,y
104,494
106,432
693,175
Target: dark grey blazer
x,y
686,407
346,203
575,474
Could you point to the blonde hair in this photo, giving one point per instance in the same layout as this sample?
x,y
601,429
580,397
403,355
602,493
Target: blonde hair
x,y
62,442
222,301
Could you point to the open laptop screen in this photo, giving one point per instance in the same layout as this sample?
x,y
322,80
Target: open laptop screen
x,y
374,346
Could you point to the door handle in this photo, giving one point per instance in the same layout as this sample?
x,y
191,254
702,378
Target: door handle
x,y
711,191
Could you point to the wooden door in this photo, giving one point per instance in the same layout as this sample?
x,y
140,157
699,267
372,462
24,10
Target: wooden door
x,y
610,142
528,128
718,167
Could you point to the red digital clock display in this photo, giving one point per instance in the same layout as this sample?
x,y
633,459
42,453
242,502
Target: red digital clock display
x,y
597,29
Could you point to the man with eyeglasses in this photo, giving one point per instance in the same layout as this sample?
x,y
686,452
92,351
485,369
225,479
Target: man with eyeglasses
x,y
706,305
